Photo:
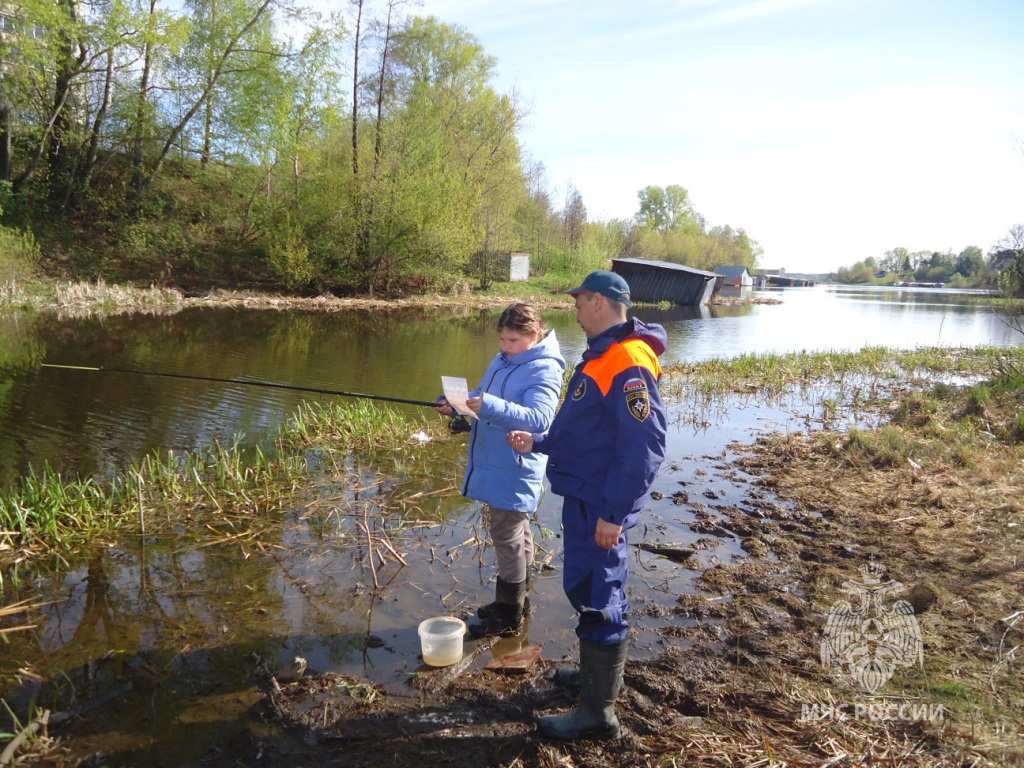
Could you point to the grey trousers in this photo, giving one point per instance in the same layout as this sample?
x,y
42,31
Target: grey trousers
x,y
512,538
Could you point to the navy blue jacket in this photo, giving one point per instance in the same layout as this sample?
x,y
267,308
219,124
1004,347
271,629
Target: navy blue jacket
x,y
607,441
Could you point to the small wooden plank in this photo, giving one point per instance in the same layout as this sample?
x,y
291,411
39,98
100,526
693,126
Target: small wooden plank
x,y
521,661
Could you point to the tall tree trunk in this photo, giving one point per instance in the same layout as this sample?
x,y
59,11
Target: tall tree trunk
x,y
6,159
355,89
37,154
141,113
362,233
58,154
204,157
97,129
378,139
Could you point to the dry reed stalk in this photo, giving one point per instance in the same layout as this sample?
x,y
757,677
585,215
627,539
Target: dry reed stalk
x,y
12,610
369,544
24,735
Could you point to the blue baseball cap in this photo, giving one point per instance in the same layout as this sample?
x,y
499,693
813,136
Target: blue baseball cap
x,y
607,284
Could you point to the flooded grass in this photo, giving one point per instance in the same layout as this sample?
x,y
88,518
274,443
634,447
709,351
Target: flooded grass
x,y
934,494
839,387
773,373
358,426
46,514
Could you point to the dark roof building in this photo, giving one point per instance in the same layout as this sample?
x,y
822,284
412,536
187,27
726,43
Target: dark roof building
x,y
656,281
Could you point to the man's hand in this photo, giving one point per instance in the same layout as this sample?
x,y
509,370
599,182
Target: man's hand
x,y
607,535
475,404
521,441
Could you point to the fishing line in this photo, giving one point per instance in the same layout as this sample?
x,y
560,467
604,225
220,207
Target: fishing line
x,y
248,382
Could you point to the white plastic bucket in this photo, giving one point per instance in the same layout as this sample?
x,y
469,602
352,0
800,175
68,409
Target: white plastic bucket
x,y
441,640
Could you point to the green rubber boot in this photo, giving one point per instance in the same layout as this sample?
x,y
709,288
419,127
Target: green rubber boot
x,y
567,678
594,717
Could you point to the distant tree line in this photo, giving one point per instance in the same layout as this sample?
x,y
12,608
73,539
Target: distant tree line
x,y
1002,267
253,140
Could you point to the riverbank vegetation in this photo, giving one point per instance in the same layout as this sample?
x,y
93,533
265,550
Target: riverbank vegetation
x,y
258,145
1001,269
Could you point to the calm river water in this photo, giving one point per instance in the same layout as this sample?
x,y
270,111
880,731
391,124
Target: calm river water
x,y
97,422
164,637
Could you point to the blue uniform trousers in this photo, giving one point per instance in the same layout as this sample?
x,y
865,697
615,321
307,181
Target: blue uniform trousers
x,y
594,579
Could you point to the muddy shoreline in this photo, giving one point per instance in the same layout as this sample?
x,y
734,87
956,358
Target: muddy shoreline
x,y
740,670
741,680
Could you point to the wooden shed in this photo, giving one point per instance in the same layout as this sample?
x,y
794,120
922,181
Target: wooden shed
x,y
736,277
501,266
655,281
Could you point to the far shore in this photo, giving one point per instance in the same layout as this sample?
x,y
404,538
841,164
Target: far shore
x,y
100,297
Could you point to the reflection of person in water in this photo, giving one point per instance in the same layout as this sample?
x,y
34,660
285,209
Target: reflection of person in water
x,y
604,450
520,390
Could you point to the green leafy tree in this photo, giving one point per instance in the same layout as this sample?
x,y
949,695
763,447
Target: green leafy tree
x,y
574,218
447,177
895,260
238,35
41,49
296,158
859,274
535,215
936,267
733,247
668,208
1006,259
970,261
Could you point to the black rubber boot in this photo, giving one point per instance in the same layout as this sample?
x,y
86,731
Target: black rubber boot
x,y
506,617
594,717
485,611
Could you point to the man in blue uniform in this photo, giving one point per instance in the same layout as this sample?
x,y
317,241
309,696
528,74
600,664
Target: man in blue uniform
x,y
604,449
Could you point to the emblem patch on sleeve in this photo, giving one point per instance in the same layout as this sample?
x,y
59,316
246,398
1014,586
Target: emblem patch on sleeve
x,y
580,390
637,399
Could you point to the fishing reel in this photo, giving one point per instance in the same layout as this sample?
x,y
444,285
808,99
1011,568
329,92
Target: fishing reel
x,y
459,423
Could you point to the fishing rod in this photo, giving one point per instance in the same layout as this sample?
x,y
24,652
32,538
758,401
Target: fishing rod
x,y
249,382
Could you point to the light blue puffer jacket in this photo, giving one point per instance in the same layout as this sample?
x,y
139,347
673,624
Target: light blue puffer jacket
x,y
519,392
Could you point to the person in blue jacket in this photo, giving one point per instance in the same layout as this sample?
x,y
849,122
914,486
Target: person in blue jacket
x,y
519,390
604,450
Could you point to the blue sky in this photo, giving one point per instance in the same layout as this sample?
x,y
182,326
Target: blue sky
x,y
831,130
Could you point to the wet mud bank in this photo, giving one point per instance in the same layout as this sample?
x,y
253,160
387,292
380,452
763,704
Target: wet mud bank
x,y
742,677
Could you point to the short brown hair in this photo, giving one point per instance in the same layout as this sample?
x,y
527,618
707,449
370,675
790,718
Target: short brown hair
x,y
522,318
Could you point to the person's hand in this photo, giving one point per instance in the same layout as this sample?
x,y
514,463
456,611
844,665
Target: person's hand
x,y
475,404
521,441
443,408
607,535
